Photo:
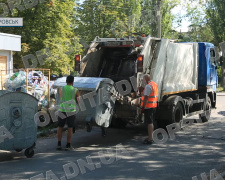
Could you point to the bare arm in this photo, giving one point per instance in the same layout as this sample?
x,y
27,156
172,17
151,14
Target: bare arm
x,y
145,101
147,92
77,98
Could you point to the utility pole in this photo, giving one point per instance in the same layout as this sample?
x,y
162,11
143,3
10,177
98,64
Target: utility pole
x,y
159,18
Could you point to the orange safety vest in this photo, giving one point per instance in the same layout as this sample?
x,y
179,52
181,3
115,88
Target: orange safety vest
x,y
152,98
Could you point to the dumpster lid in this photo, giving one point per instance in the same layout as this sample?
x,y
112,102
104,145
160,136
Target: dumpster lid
x,y
83,83
2,92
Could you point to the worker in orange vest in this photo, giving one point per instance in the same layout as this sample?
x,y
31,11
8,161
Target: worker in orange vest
x,y
149,102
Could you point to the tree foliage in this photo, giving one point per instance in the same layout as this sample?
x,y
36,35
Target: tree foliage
x,y
116,18
48,25
60,25
215,19
199,30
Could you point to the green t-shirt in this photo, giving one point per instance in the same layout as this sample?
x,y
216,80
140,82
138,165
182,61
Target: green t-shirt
x,y
67,99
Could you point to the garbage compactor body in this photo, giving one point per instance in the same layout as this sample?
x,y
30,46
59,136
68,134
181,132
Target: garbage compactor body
x,y
96,104
17,111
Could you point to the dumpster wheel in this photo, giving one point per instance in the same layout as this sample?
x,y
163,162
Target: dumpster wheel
x,y
29,152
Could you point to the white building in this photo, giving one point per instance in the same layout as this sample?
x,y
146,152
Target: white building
x,y
8,44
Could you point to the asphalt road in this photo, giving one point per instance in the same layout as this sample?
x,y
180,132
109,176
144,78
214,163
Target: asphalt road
x,y
121,155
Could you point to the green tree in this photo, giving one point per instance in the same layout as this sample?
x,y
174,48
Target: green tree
x,y
215,19
149,22
101,18
48,25
168,18
199,30
116,18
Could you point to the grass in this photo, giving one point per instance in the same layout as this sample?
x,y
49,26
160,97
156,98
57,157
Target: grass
x,y
220,89
45,131
50,126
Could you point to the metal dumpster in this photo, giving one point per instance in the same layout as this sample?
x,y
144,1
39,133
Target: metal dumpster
x,y
101,114
17,112
3,92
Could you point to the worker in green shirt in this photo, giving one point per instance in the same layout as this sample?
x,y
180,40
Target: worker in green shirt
x,y
69,97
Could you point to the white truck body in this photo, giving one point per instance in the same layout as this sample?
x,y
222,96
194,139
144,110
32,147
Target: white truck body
x,y
173,66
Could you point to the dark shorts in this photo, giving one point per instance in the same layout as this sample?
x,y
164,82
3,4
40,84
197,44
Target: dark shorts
x,y
149,115
69,120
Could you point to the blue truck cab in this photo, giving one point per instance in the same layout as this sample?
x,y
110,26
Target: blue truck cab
x,y
207,71
207,74
207,67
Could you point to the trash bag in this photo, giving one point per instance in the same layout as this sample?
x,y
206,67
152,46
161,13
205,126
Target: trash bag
x,y
15,81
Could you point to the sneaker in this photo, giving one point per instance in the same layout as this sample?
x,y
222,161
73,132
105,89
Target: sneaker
x,y
59,148
69,148
146,141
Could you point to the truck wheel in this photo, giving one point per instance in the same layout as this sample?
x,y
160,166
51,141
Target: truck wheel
x,y
207,111
177,114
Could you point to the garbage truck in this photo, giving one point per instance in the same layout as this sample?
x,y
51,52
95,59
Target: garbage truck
x,y
186,74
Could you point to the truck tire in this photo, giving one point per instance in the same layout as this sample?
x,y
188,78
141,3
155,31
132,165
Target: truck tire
x,y
177,113
207,108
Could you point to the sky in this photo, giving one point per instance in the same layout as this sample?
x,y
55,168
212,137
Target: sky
x,y
185,23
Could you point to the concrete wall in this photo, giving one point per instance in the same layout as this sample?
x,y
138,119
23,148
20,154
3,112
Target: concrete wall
x,y
10,42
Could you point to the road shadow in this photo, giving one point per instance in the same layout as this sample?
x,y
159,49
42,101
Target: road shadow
x,y
221,113
176,159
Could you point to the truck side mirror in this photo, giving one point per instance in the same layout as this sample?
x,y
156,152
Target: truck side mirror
x,y
221,61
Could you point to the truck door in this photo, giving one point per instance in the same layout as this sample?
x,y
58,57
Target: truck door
x,y
213,67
